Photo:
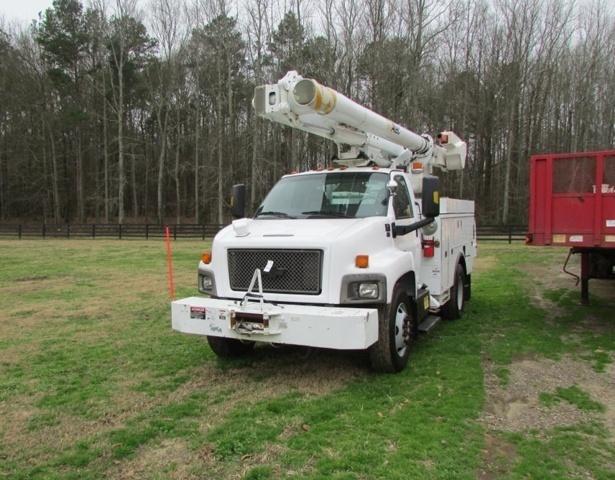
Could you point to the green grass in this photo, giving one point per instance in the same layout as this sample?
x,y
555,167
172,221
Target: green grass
x,y
94,383
573,395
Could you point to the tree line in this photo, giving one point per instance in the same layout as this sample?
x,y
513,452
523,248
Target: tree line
x,y
126,111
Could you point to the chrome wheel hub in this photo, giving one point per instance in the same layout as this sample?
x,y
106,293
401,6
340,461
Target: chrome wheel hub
x,y
402,329
460,296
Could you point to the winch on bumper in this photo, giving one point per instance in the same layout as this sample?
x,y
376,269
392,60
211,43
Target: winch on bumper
x,y
308,325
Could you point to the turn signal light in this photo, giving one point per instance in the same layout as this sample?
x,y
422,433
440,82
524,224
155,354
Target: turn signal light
x,y
206,257
361,261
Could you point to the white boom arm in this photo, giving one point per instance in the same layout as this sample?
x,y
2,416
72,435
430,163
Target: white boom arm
x,y
363,137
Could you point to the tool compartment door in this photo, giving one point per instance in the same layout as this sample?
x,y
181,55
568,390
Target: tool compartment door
x,y
446,225
455,236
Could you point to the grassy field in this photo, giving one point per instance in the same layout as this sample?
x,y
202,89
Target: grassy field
x,y
95,384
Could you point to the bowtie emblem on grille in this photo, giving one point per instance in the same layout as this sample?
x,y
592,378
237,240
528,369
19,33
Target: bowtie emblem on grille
x,y
274,272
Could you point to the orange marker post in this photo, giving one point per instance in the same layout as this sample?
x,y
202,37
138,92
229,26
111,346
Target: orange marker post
x,y
170,283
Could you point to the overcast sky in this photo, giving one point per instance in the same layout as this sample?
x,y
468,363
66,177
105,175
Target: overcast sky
x,y
27,10
22,10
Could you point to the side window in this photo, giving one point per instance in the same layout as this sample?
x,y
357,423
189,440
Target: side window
x,y
401,201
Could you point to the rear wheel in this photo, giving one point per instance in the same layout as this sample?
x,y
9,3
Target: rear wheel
x,y
229,347
396,328
453,309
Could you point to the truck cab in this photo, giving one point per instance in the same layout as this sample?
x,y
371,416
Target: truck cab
x,y
334,258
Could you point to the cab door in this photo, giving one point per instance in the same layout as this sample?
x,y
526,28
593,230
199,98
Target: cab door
x,y
405,214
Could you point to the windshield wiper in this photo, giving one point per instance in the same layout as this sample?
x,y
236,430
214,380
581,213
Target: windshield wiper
x,y
318,213
274,214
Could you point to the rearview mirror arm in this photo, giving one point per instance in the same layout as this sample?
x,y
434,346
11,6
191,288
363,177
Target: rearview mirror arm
x,y
405,229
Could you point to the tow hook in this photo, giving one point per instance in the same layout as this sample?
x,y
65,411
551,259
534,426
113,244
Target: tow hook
x,y
248,323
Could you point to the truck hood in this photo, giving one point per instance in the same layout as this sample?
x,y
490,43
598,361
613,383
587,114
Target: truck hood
x,y
299,228
339,239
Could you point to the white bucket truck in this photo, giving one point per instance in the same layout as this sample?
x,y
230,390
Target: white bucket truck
x,y
344,257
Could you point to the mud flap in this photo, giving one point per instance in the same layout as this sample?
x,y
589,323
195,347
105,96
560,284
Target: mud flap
x,y
422,304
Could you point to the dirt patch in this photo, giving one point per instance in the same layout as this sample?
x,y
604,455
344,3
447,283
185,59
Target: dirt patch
x,y
546,277
275,371
32,279
11,356
499,456
38,284
171,456
517,406
550,276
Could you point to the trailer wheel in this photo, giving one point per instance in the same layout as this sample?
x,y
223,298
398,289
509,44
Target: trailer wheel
x,y
229,347
396,331
453,309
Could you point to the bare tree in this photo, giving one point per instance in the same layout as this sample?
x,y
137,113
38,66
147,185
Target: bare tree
x,y
171,102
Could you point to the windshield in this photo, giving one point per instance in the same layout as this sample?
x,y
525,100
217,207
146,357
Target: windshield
x,y
325,195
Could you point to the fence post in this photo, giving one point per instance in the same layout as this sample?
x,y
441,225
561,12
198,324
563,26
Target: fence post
x,y
509,234
203,231
147,231
44,230
119,231
175,232
93,231
19,231
68,230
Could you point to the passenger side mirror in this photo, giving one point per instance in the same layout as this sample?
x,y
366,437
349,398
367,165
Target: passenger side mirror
x,y
238,201
431,196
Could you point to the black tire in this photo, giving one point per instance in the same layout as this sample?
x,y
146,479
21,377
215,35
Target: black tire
x,y
467,288
453,309
385,355
229,347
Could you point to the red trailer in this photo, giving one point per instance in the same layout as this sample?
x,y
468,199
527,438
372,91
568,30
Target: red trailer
x,y
572,203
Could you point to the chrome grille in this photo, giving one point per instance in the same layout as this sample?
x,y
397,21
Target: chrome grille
x,y
293,271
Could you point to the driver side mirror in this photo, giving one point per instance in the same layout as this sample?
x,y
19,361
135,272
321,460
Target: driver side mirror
x,y
431,196
238,201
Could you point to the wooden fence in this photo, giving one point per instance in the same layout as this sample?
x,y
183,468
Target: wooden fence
x,y
107,230
501,233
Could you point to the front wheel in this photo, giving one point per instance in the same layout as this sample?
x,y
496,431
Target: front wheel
x,y
453,309
229,347
396,329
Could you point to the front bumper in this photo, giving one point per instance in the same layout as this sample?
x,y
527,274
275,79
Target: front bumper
x,y
315,326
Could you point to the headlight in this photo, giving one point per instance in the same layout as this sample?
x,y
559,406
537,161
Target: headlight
x,y
363,288
369,290
207,283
